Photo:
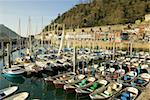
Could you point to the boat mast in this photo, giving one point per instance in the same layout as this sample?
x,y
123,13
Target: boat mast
x,y
42,42
19,37
8,55
10,47
74,60
113,58
62,40
30,39
20,34
3,54
74,56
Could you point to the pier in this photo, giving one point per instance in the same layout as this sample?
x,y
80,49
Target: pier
x,y
145,94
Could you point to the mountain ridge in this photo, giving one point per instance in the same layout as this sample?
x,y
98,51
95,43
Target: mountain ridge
x,y
6,33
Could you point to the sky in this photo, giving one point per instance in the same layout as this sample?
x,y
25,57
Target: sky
x,y
13,10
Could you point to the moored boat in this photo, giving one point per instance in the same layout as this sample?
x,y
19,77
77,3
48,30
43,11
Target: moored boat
x,y
7,91
128,77
107,92
68,87
85,91
50,79
141,81
129,93
60,82
18,96
81,83
14,71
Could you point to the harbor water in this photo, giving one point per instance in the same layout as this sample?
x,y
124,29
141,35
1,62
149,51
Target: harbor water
x,y
35,86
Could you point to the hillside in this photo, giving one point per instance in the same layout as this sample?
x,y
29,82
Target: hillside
x,y
6,33
104,12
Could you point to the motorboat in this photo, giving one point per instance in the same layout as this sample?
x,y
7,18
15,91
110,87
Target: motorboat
x,y
107,92
13,71
86,90
78,84
7,91
18,96
129,93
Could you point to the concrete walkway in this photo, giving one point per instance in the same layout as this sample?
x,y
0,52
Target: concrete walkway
x,y
145,95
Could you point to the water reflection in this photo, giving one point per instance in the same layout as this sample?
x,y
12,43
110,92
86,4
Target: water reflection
x,y
17,79
34,85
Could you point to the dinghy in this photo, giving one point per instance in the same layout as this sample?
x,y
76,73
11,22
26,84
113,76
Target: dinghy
x,y
7,91
118,73
129,93
107,92
18,96
68,87
141,81
14,71
128,77
18,79
50,79
85,91
60,82
80,83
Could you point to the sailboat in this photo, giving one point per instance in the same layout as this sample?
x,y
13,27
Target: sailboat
x,y
12,70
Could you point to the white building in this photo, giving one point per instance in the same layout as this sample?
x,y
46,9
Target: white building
x,y
147,17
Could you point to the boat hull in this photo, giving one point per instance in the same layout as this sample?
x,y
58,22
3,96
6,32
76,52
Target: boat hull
x,y
59,85
13,75
69,89
7,91
82,95
19,96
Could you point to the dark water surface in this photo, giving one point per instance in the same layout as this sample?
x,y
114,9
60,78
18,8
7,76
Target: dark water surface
x,y
37,88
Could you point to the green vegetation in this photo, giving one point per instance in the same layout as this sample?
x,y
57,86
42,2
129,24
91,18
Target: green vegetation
x,y
104,12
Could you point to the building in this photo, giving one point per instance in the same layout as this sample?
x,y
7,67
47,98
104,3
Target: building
x,y
147,17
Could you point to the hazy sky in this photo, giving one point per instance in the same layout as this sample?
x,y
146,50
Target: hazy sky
x,y
12,10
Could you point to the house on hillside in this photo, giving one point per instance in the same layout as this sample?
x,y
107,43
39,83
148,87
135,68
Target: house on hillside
x,y
147,17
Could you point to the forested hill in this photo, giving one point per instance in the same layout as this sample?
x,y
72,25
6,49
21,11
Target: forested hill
x,y
104,12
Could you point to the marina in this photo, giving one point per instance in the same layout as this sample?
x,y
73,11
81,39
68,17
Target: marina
x,y
84,83
98,59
